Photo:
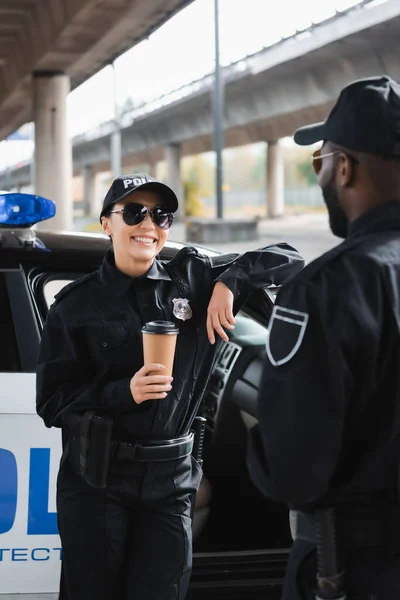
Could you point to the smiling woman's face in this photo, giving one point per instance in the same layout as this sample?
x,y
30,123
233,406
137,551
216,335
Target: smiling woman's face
x,y
135,246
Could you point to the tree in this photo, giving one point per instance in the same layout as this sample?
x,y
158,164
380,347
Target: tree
x,y
306,171
199,171
239,165
130,104
259,170
193,205
127,105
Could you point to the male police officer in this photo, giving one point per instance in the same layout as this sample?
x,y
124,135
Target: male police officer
x,y
327,443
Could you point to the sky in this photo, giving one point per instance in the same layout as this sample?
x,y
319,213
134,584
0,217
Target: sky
x,y
182,51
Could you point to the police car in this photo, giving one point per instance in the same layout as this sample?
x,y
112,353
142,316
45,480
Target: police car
x,y
241,538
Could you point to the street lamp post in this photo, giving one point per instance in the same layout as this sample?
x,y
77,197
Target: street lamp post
x,y
217,116
115,149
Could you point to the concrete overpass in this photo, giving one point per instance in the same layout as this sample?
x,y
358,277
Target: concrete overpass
x,y
52,46
75,37
267,96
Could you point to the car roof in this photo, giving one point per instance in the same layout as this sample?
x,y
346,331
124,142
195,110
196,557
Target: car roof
x,y
69,249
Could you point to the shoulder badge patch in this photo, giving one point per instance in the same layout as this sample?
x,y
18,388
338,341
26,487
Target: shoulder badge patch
x,y
286,331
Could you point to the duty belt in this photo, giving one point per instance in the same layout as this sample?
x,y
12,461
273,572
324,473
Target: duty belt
x,y
153,451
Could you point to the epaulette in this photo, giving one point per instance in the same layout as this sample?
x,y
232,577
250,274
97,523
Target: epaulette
x,y
182,255
172,267
65,290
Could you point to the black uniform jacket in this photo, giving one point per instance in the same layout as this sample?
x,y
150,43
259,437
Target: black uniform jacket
x,y
92,343
329,401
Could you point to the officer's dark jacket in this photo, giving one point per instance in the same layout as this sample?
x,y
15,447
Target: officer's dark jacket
x,y
329,401
92,343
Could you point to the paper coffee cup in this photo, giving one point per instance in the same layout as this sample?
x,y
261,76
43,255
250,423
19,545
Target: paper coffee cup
x,y
159,342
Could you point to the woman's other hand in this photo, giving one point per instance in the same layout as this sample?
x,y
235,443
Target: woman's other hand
x,y
220,312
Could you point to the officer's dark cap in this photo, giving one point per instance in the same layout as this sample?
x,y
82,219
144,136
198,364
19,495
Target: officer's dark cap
x,y
365,118
126,184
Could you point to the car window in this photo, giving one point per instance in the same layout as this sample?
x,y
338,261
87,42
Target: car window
x,y
9,355
52,287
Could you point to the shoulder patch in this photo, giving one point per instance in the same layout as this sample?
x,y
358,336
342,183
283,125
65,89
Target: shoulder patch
x,y
65,290
286,331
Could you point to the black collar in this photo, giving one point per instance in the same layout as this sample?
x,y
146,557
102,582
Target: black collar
x,y
120,282
386,216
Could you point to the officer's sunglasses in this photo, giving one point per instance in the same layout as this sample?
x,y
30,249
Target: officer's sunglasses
x,y
133,214
317,158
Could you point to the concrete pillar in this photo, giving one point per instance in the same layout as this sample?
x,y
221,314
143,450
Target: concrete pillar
x,y
53,151
116,152
173,158
115,139
89,201
275,180
100,186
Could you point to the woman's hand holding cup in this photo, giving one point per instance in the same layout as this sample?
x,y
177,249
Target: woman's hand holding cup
x,y
150,387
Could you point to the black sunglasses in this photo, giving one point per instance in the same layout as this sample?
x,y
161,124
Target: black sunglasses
x,y
133,214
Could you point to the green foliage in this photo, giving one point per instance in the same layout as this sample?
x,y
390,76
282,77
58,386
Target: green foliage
x,y
306,172
193,204
200,172
241,165
259,170
127,105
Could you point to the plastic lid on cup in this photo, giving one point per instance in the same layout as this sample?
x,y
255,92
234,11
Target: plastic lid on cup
x,y
160,327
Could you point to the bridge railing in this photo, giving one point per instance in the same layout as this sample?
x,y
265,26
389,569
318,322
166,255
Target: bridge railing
x,y
229,73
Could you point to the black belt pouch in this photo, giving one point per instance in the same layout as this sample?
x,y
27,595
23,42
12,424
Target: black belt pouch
x,y
95,442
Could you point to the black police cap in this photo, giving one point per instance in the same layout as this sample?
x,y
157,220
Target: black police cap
x,y
126,184
366,117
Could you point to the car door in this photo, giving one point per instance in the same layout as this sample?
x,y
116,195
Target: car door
x,y
30,550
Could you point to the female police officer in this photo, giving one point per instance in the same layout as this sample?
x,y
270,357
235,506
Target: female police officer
x,y
131,538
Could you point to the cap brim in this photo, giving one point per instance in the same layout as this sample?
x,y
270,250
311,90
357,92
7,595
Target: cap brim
x,y
168,196
310,134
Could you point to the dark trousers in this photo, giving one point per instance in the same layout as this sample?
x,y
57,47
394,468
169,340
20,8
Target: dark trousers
x,y
370,574
132,540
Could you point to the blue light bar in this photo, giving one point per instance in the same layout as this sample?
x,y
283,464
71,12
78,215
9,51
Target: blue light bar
x,y
24,210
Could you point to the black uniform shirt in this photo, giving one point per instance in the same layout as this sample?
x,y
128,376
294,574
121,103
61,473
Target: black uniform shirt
x,y
329,400
92,343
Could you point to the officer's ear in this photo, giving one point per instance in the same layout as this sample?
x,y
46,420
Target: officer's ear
x,y
106,225
346,169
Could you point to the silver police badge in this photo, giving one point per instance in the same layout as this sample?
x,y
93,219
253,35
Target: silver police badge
x,y
181,309
286,332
